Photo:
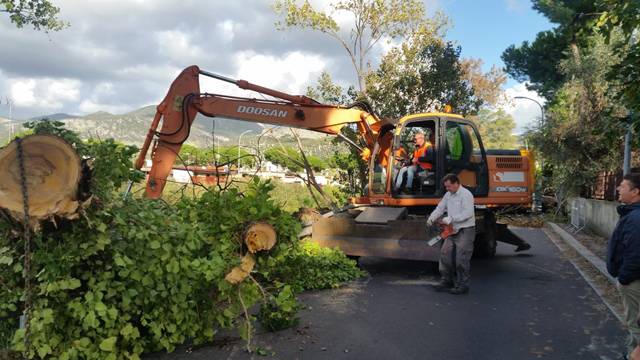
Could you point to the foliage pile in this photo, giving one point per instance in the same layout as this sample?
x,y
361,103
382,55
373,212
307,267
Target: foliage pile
x,y
304,268
134,276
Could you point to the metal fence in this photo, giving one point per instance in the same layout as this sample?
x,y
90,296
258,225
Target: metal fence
x,y
604,187
578,215
605,184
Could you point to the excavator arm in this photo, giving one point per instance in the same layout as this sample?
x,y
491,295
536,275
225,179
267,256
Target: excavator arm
x,y
183,101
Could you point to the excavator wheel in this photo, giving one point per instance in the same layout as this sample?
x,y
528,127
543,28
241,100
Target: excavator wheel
x,y
485,243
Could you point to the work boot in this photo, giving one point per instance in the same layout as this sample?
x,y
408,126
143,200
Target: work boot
x,y
443,286
459,290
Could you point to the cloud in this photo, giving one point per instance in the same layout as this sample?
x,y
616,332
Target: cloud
x,y
48,94
227,28
124,54
138,47
525,112
291,73
516,6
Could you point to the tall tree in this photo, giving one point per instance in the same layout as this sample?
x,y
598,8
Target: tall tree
x,y
582,134
624,17
41,14
350,166
327,92
538,62
486,86
374,21
289,158
223,155
412,82
496,129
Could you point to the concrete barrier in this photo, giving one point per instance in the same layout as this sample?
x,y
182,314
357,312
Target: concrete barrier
x,y
600,216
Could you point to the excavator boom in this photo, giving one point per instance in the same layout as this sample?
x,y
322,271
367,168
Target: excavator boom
x,y
184,100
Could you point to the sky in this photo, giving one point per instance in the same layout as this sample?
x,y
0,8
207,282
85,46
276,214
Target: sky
x,y
120,55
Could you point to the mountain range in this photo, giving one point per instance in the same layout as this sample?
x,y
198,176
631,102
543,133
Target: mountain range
x,y
132,127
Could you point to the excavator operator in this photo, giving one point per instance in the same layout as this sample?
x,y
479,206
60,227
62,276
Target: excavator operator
x,y
415,166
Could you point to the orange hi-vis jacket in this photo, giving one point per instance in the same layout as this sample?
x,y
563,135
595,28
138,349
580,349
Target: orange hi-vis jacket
x,y
420,152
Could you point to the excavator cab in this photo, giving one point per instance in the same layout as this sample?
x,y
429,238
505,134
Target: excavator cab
x,y
453,146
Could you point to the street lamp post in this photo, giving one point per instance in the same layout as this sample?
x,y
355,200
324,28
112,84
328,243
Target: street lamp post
x,y
535,101
626,161
537,200
239,138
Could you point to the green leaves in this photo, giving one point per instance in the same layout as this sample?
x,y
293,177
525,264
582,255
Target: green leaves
x,y
304,16
41,14
137,276
222,155
373,22
421,79
5,256
289,158
309,266
496,128
109,344
61,285
279,312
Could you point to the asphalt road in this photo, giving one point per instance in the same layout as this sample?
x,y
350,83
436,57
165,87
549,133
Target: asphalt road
x,y
527,306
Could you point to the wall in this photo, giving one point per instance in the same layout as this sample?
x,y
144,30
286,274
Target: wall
x,y
599,216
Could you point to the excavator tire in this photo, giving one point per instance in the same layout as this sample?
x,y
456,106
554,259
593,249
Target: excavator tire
x,y
485,243
52,174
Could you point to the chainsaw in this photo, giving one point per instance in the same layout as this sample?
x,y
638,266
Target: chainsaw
x,y
438,231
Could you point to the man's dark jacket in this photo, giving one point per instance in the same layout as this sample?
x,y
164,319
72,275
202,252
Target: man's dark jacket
x,y
623,252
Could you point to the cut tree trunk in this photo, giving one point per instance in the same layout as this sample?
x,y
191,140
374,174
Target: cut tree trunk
x,y
241,271
52,173
260,236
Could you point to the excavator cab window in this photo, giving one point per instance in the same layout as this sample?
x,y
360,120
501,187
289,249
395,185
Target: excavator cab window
x,y
465,156
415,148
382,160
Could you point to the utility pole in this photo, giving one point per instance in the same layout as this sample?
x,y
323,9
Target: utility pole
x,y
9,102
537,200
240,137
626,162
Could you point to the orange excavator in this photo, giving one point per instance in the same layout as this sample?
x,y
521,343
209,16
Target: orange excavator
x,y
388,220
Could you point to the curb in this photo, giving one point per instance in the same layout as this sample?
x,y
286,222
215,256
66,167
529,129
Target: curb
x,y
583,251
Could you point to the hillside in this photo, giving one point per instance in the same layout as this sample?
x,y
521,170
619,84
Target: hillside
x,y
132,127
56,116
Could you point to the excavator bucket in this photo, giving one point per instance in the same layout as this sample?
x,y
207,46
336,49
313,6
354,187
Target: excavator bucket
x,y
377,231
390,232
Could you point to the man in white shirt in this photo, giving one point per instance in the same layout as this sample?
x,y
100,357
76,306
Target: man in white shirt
x,y
455,254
